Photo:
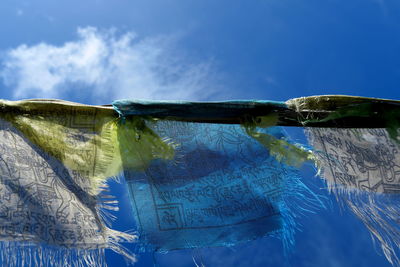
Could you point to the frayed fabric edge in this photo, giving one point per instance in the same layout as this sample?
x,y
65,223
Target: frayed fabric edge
x,y
30,253
107,205
14,253
377,211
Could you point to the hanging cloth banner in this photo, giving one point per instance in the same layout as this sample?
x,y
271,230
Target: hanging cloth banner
x,y
199,174
222,187
360,165
359,159
362,169
55,157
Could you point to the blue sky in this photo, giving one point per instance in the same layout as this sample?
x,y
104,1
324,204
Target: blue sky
x,y
96,51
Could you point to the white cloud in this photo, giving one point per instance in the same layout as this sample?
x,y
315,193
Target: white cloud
x,y
101,66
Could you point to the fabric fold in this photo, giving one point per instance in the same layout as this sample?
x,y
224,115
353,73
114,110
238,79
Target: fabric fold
x,y
362,169
221,187
55,161
199,174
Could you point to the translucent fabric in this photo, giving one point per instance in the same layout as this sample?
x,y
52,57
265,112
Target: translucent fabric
x,y
222,187
198,174
362,169
52,205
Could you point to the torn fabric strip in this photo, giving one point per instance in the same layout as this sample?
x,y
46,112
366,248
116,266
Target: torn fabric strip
x,y
52,211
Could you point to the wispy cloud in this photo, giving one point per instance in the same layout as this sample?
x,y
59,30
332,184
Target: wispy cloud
x,y
19,12
101,66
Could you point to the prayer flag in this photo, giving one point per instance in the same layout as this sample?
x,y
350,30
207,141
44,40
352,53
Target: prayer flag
x,y
54,159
